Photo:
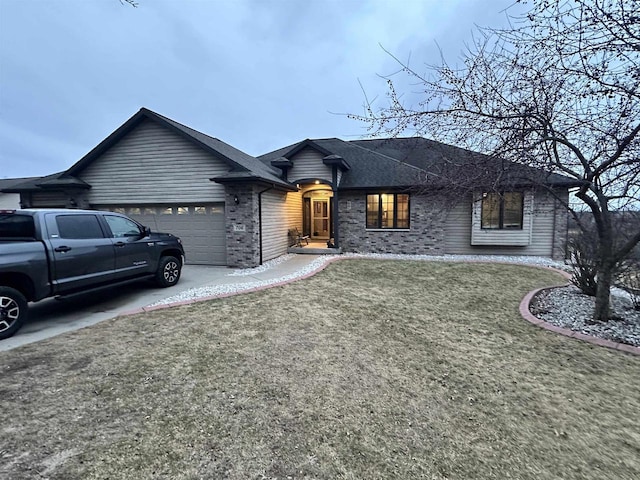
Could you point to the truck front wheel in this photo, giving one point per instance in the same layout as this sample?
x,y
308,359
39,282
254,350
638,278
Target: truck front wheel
x,y
13,311
168,272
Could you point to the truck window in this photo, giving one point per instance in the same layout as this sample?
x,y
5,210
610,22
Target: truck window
x,y
79,226
122,227
16,226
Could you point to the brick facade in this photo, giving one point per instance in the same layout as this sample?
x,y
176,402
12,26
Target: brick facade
x,y
242,226
424,237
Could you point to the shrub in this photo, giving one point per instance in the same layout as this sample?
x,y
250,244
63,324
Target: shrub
x,y
582,255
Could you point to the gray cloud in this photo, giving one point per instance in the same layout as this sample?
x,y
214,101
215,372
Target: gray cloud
x,y
258,75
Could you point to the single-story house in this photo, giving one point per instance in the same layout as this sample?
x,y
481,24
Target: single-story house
x,y
363,195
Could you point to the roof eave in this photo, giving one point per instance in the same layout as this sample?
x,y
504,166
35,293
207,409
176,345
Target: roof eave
x,y
336,160
302,145
255,179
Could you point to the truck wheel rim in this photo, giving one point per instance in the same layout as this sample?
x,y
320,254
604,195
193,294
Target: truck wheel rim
x,y
171,272
9,313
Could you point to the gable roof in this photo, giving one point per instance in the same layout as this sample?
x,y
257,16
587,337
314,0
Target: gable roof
x,y
242,166
237,160
367,169
408,162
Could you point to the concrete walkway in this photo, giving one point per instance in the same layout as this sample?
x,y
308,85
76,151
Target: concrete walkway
x,y
52,317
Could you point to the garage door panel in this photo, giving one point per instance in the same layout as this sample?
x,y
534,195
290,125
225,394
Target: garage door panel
x,y
203,235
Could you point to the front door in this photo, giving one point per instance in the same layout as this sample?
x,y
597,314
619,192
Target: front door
x,y
320,221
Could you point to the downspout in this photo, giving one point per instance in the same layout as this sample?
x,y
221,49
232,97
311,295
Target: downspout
x,y
260,218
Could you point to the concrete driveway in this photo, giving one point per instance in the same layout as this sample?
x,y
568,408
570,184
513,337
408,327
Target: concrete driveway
x,y
52,317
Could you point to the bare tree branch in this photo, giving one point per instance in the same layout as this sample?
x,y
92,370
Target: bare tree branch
x,y
559,91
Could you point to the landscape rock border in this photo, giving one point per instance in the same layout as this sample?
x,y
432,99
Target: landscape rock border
x,y
525,312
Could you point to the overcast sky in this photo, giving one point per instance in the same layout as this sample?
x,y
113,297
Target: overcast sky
x,y
256,74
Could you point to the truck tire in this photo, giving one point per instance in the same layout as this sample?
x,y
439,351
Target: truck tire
x,y
168,273
13,311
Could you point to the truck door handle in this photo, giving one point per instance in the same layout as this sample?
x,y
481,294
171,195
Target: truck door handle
x,y
62,249
119,244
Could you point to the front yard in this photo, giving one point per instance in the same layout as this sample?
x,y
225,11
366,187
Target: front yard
x,y
368,370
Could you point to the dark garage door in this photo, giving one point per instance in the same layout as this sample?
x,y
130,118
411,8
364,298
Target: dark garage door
x,y
201,228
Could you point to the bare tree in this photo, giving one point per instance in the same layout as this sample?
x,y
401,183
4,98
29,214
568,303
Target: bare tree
x,y
558,91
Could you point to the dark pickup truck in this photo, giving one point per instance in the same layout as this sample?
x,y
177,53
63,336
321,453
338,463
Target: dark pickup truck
x,y
46,253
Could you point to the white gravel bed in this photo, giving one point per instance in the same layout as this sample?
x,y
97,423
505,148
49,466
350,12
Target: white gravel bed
x,y
567,307
515,259
243,272
234,288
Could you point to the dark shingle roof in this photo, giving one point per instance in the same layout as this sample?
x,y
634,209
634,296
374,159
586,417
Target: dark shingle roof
x,y
53,181
242,161
436,158
366,168
8,183
406,162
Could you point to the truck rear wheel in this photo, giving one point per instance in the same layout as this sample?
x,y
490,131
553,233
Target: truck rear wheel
x,y
168,272
13,311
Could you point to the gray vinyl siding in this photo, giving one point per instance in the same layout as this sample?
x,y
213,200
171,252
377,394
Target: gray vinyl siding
x,y
308,164
49,200
154,165
459,224
280,212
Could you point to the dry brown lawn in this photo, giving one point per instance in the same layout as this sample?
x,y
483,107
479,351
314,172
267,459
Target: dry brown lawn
x,y
368,370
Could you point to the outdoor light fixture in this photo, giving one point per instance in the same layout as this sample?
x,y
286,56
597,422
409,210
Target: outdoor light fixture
x,y
317,182
236,200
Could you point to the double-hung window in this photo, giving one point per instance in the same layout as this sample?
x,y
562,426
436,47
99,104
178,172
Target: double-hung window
x,y
388,210
502,210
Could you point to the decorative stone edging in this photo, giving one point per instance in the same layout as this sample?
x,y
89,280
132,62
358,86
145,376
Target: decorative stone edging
x,y
531,318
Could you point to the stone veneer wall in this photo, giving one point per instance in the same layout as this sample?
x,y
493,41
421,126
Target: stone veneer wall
x,y
424,237
242,226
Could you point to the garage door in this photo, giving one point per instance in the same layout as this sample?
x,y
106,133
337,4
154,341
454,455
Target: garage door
x,y
201,228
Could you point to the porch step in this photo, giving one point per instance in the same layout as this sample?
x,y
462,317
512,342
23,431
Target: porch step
x,y
310,250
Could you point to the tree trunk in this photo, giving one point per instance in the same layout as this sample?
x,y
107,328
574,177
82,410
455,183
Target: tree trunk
x,y
603,290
